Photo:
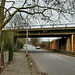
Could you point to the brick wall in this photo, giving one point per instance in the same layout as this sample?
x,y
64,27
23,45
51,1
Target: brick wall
x,y
54,44
72,39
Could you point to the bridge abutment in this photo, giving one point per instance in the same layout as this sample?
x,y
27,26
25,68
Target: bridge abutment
x,y
65,43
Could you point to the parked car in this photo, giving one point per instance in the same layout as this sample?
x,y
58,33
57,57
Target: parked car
x,y
37,47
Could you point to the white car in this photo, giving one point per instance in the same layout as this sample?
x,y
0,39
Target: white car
x,y
37,47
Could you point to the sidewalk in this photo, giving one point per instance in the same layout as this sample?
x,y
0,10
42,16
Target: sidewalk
x,y
19,66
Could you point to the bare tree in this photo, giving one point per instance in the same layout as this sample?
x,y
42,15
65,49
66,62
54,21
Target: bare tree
x,y
47,9
16,22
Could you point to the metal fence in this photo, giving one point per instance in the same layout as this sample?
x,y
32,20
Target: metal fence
x,y
40,26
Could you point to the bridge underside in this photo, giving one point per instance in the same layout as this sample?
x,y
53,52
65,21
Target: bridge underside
x,y
45,32
49,35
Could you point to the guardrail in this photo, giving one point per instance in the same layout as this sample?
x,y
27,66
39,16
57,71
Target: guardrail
x,y
40,26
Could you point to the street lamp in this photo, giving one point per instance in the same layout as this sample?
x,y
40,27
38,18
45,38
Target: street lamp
x,y
27,37
27,34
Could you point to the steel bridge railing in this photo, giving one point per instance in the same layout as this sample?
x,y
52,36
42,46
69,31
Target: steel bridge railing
x,y
40,26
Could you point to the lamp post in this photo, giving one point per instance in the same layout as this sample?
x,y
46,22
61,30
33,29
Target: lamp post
x,y
27,36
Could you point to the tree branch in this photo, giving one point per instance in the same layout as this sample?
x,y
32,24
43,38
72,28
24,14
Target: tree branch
x,y
8,19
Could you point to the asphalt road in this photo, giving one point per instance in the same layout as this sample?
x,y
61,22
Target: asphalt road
x,y
53,63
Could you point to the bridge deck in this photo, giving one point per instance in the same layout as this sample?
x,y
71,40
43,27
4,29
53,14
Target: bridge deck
x,y
44,32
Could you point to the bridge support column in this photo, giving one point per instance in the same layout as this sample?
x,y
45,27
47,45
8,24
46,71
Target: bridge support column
x,y
73,43
68,43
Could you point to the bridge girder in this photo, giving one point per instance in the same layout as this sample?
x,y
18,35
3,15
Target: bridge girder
x,y
44,32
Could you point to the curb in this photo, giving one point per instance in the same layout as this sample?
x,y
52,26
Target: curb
x,y
4,68
37,68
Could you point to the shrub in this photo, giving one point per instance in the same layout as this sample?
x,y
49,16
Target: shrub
x,y
8,43
19,44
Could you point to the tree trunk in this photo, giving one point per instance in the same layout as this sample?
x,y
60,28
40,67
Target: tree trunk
x,y
0,33
2,58
2,52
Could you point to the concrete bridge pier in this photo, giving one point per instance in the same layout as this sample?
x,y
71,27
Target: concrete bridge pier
x,y
68,45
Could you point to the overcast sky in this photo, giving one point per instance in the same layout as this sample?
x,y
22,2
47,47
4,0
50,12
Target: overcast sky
x,y
38,21
19,3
